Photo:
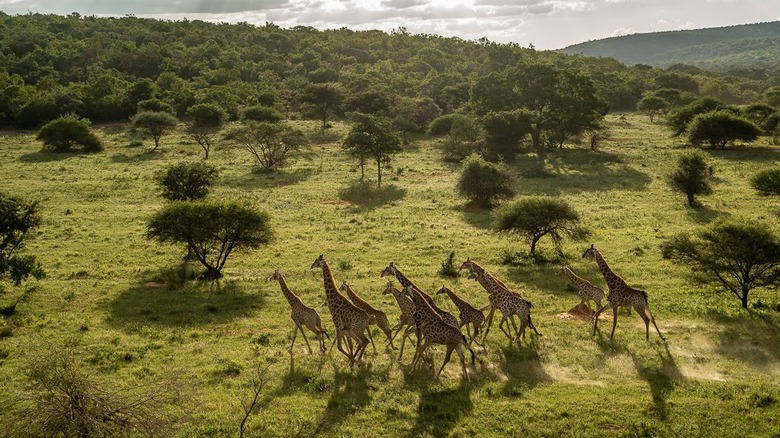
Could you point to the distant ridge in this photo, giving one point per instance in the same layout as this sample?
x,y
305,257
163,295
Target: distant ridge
x,y
745,46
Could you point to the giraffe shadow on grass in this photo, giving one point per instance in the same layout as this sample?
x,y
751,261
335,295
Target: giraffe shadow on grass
x,y
350,394
522,366
440,409
662,375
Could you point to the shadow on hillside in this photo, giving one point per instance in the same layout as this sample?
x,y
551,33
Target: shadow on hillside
x,y
662,375
264,179
476,217
439,410
366,196
191,304
47,157
522,366
750,336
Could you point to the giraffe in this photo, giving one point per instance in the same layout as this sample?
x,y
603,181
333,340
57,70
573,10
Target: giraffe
x,y
585,288
621,295
391,269
437,331
407,315
468,314
376,317
507,302
349,320
302,315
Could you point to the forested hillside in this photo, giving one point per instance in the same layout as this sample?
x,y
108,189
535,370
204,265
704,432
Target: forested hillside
x,y
100,68
743,47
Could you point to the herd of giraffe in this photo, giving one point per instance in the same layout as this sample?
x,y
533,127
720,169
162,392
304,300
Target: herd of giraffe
x,y
353,317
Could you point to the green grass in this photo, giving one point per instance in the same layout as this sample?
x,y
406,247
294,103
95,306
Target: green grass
x,y
126,304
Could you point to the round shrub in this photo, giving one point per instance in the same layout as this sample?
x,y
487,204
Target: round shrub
x,y
186,181
443,124
483,182
767,182
261,113
67,134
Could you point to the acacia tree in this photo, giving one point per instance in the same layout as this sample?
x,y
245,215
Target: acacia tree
x,y
691,177
721,127
737,255
186,181
68,132
483,182
372,137
652,106
272,144
536,217
325,97
154,123
211,230
18,218
205,121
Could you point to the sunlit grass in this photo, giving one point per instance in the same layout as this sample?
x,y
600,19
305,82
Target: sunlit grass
x,y
128,304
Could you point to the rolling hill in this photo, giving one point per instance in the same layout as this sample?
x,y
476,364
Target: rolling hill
x,y
719,49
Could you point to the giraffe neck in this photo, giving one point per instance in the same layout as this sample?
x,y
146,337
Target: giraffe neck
x,y
423,306
290,295
405,282
574,278
353,296
610,277
331,290
459,303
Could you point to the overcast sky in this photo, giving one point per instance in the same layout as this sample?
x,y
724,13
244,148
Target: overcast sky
x,y
547,24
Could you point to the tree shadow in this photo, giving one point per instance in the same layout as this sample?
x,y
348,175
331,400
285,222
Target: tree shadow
x,y
573,171
522,366
745,153
703,214
439,410
662,377
265,179
750,336
136,158
479,218
365,197
191,304
48,157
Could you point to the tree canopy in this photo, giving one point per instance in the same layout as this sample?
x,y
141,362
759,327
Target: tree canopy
x,y
18,218
372,137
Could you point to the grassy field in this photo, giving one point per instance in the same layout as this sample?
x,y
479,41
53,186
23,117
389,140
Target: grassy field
x,y
115,299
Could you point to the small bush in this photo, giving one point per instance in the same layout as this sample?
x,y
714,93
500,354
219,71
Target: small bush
x,y
483,182
448,268
767,182
261,113
187,181
442,125
67,134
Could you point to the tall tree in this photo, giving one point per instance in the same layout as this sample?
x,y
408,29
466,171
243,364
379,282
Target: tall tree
x,y
18,218
154,123
691,177
372,137
205,120
325,97
272,144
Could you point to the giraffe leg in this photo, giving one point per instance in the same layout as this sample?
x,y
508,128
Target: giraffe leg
x,y
384,326
406,334
304,338
446,359
295,332
361,349
462,361
371,338
501,325
489,322
648,317
418,354
595,317
614,321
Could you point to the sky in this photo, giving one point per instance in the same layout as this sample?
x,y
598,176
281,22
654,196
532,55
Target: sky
x,y
545,24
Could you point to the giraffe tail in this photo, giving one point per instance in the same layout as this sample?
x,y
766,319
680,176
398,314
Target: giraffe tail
x,y
529,303
644,295
326,333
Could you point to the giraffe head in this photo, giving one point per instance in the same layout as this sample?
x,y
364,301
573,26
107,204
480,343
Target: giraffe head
x,y
443,290
275,276
409,292
390,289
344,286
467,264
590,252
389,270
319,263
560,270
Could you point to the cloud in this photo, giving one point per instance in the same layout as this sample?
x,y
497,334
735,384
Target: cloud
x,y
622,32
402,4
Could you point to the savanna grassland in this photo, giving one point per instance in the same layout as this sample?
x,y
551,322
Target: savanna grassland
x,y
118,301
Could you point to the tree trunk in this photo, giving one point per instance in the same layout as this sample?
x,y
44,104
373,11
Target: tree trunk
x,y
379,173
534,240
744,297
691,200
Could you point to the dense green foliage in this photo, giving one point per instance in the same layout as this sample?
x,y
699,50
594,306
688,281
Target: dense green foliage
x,y
692,177
483,183
681,117
262,113
205,120
721,127
18,219
767,182
748,47
535,217
211,230
738,255
187,181
466,135
67,134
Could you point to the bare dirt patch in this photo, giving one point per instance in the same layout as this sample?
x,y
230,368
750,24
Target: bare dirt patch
x,y
581,312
